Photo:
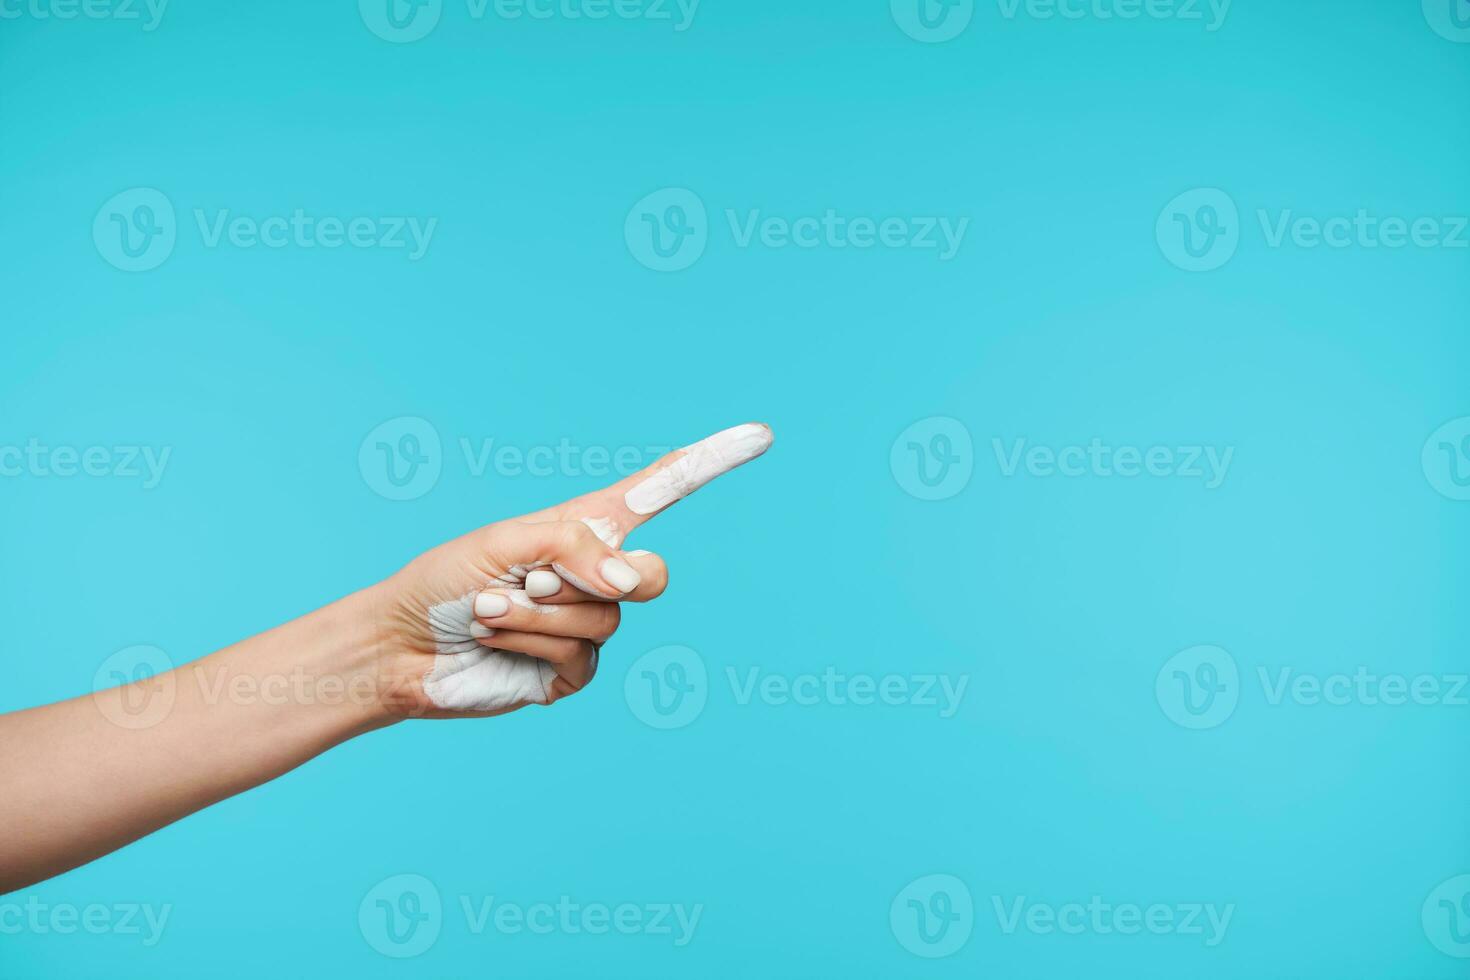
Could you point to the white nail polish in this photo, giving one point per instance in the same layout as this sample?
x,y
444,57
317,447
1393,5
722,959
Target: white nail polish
x,y
542,583
619,574
637,554
488,605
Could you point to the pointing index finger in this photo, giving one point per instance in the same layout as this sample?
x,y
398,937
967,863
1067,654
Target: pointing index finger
x,y
614,511
669,481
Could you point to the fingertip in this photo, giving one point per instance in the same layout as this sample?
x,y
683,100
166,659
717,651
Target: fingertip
x,y
698,464
654,571
619,574
542,583
491,605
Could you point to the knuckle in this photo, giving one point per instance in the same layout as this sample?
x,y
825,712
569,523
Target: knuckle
x,y
560,652
572,534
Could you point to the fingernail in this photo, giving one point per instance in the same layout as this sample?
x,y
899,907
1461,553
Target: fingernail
x,y
489,605
542,583
637,554
619,574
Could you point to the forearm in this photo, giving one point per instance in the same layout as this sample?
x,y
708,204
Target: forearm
x,y
449,635
86,776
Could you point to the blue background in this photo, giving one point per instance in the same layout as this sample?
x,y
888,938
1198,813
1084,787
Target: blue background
x,y
529,321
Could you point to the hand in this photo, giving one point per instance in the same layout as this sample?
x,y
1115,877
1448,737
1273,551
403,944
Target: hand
x,y
509,615
516,612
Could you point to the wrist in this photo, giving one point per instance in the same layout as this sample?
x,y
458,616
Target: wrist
x,y
355,640
317,677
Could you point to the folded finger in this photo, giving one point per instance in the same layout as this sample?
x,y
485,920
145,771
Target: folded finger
x,y
512,609
574,659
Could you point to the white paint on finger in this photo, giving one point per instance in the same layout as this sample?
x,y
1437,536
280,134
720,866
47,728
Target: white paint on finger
x,y
605,529
700,464
469,677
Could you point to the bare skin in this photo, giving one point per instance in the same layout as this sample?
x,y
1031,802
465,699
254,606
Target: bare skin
x,y
81,778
